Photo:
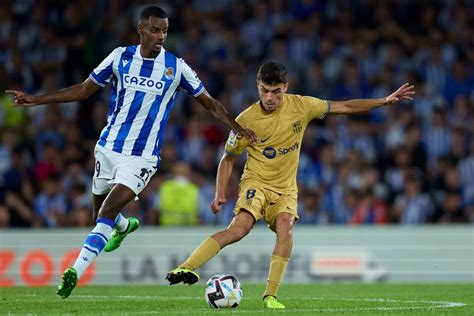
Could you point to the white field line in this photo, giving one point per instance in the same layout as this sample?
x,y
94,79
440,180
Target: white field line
x,y
347,245
411,304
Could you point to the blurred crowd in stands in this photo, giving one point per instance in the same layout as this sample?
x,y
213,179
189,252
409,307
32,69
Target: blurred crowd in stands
x,y
412,163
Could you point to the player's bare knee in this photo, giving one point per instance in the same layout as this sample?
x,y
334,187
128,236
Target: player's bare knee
x,y
238,232
284,225
284,231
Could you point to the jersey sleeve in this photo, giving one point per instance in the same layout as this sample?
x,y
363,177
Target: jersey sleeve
x,y
315,108
189,80
235,144
102,74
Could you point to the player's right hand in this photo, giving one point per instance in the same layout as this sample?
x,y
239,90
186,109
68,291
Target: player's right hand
x,y
216,204
247,133
405,92
21,98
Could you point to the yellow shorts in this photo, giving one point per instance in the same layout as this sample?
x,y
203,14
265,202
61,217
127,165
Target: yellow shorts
x,y
265,203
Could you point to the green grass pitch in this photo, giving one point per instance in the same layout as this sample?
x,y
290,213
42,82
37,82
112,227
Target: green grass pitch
x,y
317,299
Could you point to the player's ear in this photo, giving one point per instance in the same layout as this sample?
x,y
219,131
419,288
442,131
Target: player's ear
x,y
140,28
285,87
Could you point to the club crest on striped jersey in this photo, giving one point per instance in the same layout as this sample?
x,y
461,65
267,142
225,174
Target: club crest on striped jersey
x,y
169,73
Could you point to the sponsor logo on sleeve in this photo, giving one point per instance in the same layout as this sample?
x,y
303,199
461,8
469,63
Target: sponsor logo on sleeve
x,y
231,141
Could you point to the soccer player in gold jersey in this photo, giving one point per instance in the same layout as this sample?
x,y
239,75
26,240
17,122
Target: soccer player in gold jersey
x,y
268,187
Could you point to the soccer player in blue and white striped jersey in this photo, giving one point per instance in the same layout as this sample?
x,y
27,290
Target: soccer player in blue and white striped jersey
x,y
144,81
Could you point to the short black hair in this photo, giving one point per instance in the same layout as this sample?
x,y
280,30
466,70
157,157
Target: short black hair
x,y
272,73
152,11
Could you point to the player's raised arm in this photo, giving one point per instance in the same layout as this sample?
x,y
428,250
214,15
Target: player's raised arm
x,y
220,112
224,171
74,93
405,92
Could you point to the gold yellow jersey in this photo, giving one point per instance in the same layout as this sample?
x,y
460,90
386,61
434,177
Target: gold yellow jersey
x,y
272,161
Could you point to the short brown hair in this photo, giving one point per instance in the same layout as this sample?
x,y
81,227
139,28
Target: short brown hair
x,y
272,73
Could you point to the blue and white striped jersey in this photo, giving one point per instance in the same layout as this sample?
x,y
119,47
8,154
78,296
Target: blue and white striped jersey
x,y
143,91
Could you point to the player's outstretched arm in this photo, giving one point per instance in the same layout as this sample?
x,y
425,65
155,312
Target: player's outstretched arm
x,y
74,93
405,92
219,111
224,171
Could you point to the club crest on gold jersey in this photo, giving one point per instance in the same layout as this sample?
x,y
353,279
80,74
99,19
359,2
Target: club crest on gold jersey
x,y
297,128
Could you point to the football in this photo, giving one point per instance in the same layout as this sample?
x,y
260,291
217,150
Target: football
x,y
223,291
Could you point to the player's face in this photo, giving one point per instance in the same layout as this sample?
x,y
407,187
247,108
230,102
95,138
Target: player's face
x,y
271,96
153,33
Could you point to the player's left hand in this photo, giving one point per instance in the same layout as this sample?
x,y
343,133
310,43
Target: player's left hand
x,y
217,203
405,92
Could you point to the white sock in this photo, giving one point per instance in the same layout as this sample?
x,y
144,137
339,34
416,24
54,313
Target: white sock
x,y
93,245
121,223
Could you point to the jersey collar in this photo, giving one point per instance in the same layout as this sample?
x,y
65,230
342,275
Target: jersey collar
x,y
162,51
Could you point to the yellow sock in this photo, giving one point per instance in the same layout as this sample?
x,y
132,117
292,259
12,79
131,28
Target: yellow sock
x,y
275,274
202,254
